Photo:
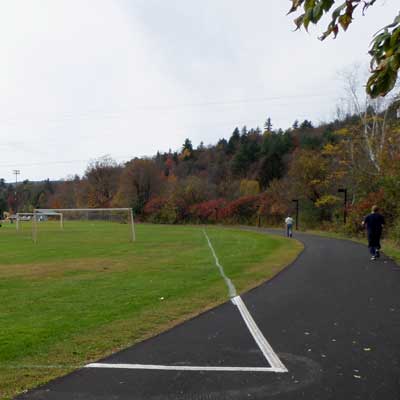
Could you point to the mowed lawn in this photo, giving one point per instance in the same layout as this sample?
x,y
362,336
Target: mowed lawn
x,y
84,292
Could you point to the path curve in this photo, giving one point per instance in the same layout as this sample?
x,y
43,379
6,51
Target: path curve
x,y
333,317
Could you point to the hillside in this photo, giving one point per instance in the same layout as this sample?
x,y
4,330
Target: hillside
x,y
254,176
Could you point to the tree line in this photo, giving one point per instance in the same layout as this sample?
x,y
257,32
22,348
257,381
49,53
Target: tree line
x,y
251,177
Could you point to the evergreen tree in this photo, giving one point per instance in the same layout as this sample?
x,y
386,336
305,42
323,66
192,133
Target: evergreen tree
x,y
48,186
247,154
306,125
201,146
187,145
222,144
233,141
268,125
273,150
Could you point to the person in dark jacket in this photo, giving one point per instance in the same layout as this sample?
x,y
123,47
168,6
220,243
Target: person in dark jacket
x,y
374,223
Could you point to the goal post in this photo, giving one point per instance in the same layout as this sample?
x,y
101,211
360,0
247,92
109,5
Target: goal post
x,y
74,213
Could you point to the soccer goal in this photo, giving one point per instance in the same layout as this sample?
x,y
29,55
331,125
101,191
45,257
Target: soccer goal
x,y
90,223
43,216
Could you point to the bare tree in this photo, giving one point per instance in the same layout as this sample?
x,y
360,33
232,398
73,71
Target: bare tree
x,y
371,113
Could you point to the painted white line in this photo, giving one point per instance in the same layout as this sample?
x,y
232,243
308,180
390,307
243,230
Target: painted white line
x,y
276,364
231,286
182,368
259,338
262,343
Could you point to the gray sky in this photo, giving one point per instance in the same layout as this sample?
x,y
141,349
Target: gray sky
x,y
84,78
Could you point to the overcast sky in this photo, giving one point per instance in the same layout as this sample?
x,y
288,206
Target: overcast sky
x,y
84,78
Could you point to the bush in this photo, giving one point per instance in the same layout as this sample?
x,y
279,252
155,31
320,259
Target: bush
x,y
207,211
153,208
242,211
160,210
360,210
395,232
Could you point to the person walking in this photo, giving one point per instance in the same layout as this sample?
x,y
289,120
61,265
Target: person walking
x,y
289,226
374,223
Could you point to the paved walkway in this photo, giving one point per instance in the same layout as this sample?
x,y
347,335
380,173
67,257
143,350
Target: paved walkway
x,y
333,318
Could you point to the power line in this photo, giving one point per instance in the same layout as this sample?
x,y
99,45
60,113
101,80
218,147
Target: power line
x,y
166,107
33,164
230,124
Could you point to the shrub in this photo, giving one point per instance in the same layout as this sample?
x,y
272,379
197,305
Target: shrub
x,y
154,206
360,210
207,211
243,210
396,231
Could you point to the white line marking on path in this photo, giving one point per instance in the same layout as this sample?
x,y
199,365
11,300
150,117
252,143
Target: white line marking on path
x,y
274,361
182,368
262,343
259,338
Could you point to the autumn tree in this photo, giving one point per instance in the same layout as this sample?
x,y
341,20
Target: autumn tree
x,y
367,141
309,171
69,194
195,190
249,187
102,176
385,47
187,150
140,180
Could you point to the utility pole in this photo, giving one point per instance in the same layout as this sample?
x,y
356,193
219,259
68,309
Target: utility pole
x,y
16,172
297,213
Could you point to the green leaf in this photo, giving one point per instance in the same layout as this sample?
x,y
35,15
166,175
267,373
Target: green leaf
x,y
381,82
295,5
345,21
317,12
327,4
336,13
299,21
394,40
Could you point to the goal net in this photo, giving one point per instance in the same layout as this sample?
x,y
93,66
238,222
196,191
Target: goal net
x,y
27,219
87,224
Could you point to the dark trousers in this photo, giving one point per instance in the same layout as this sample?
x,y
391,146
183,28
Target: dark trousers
x,y
374,242
289,230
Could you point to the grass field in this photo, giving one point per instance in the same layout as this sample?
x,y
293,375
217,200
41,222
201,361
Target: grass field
x,y
84,292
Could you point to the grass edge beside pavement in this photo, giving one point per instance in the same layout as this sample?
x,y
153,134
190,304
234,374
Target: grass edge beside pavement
x,y
24,378
389,247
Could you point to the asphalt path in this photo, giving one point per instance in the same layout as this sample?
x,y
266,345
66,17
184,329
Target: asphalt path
x,y
332,317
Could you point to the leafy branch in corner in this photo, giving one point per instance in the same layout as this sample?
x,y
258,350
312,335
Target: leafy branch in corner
x,y
384,48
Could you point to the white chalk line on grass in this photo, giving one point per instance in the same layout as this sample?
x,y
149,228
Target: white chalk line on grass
x,y
231,286
259,338
275,363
